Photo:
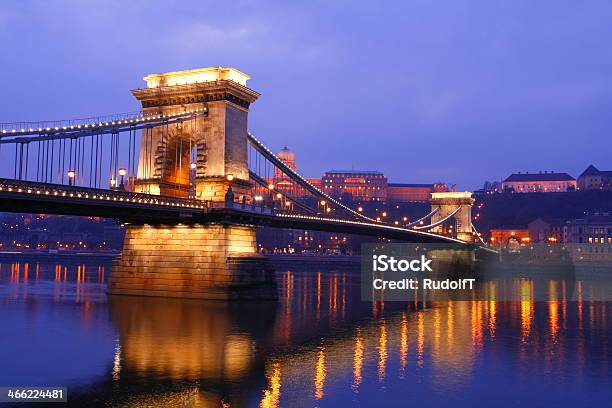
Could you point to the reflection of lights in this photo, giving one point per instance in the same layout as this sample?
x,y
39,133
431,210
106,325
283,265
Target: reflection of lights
x,y
357,360
320,373
382,351
271,395
403,342
117,362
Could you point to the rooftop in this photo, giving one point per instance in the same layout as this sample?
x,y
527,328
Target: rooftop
x,y
546,176
411,185
192,76
354,172
594,171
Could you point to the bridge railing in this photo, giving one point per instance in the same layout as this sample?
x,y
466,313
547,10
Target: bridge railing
x,y
87,193
67,123
238,205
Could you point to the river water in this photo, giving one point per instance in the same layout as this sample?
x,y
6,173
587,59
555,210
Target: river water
x,y
318,346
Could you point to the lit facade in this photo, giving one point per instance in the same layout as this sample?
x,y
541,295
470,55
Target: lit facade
x,y
502,237
360,185
407,193
594,228
539,182
595,179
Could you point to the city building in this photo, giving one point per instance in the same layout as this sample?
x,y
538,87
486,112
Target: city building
x,y
406,193
548,230
281,182
595,228
539,182
358,185
502,237
595,179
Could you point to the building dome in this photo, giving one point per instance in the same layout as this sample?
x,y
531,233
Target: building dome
x,y
286,154
287,157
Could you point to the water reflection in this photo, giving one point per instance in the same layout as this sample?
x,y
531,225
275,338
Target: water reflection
x,y
319,346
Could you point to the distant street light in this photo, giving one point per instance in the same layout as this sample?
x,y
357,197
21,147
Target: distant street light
x,y
230,177
71,176
122,173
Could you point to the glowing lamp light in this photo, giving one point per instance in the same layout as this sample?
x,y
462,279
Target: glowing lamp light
x,y
71,176
279,195
322,202
230,177
360,209
193,166
287,204
122,172
271,186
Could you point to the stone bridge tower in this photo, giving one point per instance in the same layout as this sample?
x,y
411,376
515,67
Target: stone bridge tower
x,y
207,261
217,138
448,202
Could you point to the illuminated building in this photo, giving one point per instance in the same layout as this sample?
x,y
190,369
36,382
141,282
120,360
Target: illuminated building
x,y
594,229
502,237
539,182
548,230
358,185
406,193
281,182
595,179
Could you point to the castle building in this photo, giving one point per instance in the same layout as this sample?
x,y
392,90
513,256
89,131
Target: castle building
x,y
539,182
408,193
359,185
594,179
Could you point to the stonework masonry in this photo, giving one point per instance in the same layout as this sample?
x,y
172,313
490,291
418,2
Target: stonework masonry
x,y
201,261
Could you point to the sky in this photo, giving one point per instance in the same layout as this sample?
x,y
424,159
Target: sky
x,y
422,90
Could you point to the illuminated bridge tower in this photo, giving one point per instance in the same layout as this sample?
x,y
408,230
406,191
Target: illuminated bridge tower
x,y
449,202
217,260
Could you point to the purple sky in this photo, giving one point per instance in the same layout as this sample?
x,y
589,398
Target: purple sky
x,y
459,91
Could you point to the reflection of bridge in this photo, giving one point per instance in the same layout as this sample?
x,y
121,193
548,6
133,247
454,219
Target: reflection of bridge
x,y
193,198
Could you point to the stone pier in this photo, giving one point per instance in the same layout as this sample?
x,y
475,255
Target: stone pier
x,y
199,261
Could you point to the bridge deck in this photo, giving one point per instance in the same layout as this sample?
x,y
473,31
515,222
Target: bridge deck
x,y
43,198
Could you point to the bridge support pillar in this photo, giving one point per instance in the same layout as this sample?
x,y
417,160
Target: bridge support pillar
x,y
200,261
447,202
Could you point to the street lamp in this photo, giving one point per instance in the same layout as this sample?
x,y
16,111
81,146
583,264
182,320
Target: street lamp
x,y
271,186
112,183
71,176
230,177
122,173
193,166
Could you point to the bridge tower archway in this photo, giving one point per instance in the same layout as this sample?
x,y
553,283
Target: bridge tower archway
x,y
219,134
449,202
